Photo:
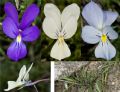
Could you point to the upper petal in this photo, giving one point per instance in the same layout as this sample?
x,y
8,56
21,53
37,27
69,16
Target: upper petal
x,y
11,12
26,77
109,17
30,34
51,11
105,50
29,16
16,51
72,10
50,28
10,28
110,32
60,50
21,73
90,34
69,28
93,15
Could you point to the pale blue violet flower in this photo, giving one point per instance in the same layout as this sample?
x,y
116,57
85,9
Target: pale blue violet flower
x,y
99,30
23,31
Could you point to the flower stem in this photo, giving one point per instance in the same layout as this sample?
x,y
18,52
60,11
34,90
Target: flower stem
x,y
35,82
35,88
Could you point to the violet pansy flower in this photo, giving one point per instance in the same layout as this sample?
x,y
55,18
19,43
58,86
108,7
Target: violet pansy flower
x,y
20,32
99,30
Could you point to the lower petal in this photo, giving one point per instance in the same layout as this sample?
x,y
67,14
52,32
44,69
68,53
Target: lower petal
x,y
11,85
16,51
30,34
60,50
105,50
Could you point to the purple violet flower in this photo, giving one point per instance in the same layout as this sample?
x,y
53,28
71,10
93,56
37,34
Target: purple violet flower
x,y
20,32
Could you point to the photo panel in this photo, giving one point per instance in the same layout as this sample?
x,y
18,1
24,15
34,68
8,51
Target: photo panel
x,y
86,76
60,45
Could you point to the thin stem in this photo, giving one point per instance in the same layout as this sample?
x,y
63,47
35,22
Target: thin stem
x,y
35,88
35,82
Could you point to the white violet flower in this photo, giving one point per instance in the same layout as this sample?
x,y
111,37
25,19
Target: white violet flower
x,y
22,80
60,26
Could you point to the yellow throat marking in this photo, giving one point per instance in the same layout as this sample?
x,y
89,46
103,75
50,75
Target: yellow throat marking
x,y
61,39
104,38
18,38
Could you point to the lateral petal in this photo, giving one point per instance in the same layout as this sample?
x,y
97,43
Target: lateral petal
x,y
10,28
69,28
30,34
91,35
112,34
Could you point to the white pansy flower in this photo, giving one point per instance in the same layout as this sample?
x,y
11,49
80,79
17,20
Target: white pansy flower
x,y
60,26
99,30
22,80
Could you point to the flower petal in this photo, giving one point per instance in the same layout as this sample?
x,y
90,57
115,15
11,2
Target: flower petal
x,y
29,16
91,35
11,12
69,28
110,32
105,51
110,17
11,85
26,77
51,11
72,10
50,28
10,28
17,51
21,73
60,50
30,34
93,14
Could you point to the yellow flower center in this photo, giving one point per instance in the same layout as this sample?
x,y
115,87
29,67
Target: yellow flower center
x,y
61,39
18,38
104,38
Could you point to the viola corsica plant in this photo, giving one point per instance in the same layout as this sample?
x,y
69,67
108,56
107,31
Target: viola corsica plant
x,y
60,26
20,31
99,30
